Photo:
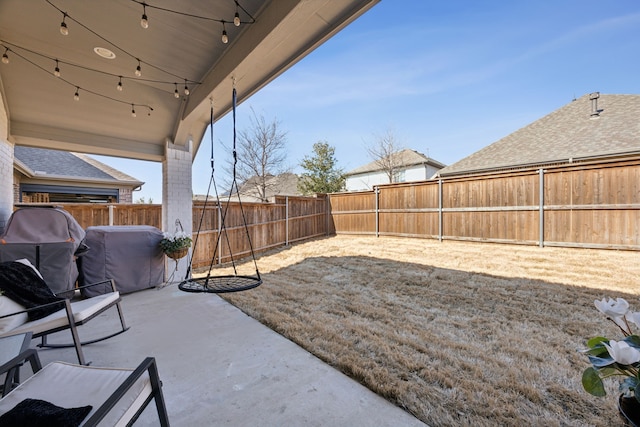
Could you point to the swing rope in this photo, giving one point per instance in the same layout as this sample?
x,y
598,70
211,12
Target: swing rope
x,y
224,283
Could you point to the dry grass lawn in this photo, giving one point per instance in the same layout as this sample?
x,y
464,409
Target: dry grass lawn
x,y
456,333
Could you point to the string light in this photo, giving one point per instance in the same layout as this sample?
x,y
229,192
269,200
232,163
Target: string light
x,y
225,37
176,93
120,48
138,69
63,25
5,57
144,22
76,95
56,71
58,62
236,17
133,111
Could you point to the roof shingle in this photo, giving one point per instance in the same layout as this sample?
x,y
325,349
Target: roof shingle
x,y
567,133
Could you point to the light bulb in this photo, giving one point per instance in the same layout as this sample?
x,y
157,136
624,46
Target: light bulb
x,y
5,57
144,22
236,20
76,96
56,71
63,25
176,93
225,37
138,70
119,87
186,88
133,111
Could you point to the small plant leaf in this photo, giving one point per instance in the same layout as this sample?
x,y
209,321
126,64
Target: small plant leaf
x,y
592,382
596,341
601,362
633,341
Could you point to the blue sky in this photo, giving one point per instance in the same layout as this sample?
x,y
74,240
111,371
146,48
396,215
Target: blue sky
x,y
447,77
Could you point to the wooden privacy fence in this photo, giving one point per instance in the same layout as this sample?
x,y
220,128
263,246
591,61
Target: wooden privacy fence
x,y
593,205
94,214
587,205
269,225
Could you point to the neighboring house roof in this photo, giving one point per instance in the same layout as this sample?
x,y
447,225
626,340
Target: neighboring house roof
x,y
586,128
405,158
63,165
285,184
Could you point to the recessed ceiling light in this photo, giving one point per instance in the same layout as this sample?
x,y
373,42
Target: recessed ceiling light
x,y
104,52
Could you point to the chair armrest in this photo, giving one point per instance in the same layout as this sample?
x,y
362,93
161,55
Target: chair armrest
x,y
29,355
148,364
27,310
102,282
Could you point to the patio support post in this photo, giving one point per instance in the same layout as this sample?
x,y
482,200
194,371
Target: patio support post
x,y
177,196
6,168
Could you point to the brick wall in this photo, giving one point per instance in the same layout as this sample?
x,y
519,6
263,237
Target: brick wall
x,y
125,195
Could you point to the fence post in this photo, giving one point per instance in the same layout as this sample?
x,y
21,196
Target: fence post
x,y
286,220
327,209
541,208
376,191
111,214
440,209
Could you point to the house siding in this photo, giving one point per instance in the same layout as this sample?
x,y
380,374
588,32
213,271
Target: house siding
x,y
366,181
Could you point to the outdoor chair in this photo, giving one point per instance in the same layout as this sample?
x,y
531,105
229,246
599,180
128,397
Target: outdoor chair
x,y
59,315
83,395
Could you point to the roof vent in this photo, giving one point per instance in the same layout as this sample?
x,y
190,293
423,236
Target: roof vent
x,y
595,113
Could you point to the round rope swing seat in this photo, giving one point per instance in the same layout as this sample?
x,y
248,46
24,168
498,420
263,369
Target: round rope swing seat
x,y
220,284
224,282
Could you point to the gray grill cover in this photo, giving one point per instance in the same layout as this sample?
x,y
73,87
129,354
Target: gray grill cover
x,y
130,255
50,238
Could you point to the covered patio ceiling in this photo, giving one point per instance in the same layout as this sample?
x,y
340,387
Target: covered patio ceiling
x,y
181,46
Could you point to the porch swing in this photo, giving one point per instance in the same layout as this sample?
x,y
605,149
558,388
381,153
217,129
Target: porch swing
x,y
222,283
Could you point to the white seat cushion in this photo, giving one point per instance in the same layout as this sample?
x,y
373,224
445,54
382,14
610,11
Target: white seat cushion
x,y
82,310
70,386
8,306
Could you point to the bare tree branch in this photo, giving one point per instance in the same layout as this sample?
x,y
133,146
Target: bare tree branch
x,y
382,151
261,155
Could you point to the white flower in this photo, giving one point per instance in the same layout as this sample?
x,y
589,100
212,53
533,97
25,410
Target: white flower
x,y
622,352
611,308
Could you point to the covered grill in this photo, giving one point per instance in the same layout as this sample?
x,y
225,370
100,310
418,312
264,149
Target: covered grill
x,y
50,238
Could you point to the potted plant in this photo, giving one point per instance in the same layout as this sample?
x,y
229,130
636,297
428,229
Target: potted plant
x,y
175,245
610,358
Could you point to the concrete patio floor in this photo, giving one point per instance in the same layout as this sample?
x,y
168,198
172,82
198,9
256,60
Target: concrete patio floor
x,y
221,367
